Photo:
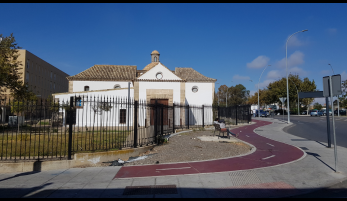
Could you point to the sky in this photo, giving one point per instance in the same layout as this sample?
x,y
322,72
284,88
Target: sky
x,y
232,43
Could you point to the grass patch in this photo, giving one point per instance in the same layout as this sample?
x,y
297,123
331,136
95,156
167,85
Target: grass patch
x,y
56,143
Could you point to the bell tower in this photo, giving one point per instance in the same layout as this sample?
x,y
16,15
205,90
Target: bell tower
x,y
155,56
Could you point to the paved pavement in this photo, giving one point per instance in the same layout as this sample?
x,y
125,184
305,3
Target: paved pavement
x,y
312,172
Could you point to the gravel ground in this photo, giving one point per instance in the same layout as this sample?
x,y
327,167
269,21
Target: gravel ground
x,y
187,147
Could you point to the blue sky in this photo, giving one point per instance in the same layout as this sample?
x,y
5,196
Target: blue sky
x,y
232,43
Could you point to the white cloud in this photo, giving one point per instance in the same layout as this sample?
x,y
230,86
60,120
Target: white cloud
x,y
332,31
274,74
294,59
239,77
259,62
343,76
297,70
294,41
264,84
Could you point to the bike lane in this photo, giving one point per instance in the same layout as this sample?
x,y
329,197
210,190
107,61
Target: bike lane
x,y
268,153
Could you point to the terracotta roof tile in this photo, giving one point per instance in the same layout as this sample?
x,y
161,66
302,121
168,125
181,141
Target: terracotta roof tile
x,y
106,73
153,64
189,74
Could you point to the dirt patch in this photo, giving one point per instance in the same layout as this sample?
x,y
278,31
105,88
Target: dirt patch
x,y
187,147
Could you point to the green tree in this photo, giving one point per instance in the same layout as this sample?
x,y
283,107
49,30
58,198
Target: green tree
x,y
317,106
343,97
234,95
9,68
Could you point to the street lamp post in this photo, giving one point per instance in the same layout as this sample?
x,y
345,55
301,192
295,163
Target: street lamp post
x,y
288,110
338,101
258,90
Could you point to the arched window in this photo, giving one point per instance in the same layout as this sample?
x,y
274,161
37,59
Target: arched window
x,y
155,59
86,88
117,86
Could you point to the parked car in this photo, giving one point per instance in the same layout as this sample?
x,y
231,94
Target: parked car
x,y
342,112
262,113
325,112
316,112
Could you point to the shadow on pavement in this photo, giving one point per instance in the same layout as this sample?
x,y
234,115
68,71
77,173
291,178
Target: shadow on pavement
x,y
316,156
19,175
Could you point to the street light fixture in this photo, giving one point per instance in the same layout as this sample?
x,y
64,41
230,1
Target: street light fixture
x,y
288,110
338,101
258,90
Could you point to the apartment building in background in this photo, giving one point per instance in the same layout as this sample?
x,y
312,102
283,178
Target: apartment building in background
x,y
42,78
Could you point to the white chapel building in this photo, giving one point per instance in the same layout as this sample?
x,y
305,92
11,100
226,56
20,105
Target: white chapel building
x,y
154,82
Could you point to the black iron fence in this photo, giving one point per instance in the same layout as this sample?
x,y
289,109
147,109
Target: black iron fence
x,y
234,114
56,130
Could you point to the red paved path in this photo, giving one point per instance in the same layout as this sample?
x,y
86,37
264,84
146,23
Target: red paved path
x,y
283,154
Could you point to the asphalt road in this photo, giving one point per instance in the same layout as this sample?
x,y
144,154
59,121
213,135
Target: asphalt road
x,y
315,128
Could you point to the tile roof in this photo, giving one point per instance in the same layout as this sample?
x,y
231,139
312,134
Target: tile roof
x,y
106,73
150,65
189,74
153,64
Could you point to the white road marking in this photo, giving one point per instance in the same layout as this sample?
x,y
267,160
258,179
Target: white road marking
x,y
174,168
270,144
247,135
268,157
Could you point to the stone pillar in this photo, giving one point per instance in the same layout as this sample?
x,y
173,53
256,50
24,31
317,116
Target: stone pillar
x,y
70,86
182,102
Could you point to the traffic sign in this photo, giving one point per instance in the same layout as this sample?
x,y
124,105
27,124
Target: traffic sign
x,y
283,99
336,85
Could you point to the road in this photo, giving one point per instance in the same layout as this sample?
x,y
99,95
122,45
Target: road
x,y
315,128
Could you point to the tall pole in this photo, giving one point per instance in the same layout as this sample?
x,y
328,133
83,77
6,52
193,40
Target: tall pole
x,y
128,103
297,91
332,108
338,101
258,90
288,111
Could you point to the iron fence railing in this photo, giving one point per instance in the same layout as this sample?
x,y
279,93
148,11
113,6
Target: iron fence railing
x,y
57,129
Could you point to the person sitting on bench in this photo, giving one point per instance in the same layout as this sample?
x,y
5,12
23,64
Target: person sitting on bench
x,y
223,129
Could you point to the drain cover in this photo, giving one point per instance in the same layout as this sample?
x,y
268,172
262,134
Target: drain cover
x,y
303,148
153,189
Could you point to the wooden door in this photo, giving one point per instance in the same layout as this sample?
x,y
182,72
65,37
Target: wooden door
x,y
165,112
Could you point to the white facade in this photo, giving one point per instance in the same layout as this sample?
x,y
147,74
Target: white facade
x,y
78,86
203,96
155,81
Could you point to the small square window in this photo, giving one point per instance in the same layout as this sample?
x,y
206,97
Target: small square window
x,y
122,116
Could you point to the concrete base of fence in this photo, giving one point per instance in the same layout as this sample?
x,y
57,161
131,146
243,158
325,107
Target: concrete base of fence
x,y
80,160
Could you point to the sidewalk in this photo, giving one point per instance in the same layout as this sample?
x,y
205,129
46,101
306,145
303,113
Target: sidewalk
x,y
315,170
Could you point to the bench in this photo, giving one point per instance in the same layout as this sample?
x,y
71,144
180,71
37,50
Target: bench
x,y
217,128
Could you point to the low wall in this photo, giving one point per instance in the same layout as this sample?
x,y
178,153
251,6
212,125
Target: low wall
x,y
79,160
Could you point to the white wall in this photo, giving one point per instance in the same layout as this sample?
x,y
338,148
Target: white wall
x,y
98,85
202,97
85,115
160,85
167,74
